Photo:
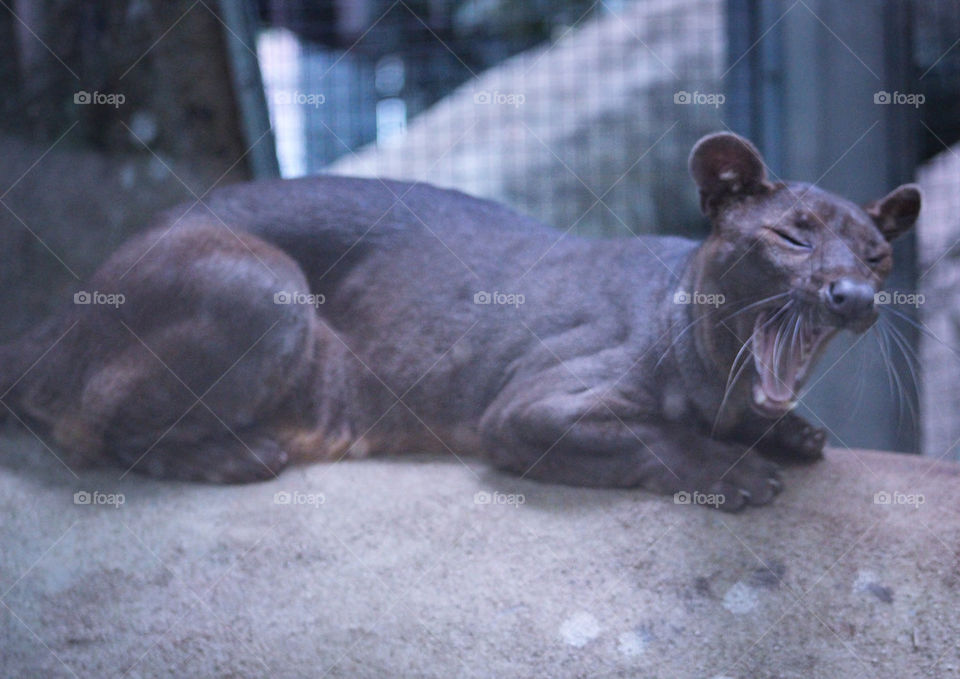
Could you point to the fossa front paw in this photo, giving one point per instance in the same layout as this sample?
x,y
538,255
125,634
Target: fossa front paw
x,y
794,440
731,482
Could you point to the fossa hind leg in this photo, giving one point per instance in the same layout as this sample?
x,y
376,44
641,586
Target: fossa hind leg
x,y
162,427
196,371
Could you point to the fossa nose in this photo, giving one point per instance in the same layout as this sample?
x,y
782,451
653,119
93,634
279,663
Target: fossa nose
x,y
849,298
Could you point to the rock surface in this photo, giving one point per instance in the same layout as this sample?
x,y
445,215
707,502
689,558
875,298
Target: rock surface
x,y
427,567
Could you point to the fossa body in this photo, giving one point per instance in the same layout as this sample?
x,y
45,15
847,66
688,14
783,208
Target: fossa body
x,y
313,319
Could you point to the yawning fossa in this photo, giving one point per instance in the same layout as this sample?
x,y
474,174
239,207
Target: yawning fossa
x,y
326,317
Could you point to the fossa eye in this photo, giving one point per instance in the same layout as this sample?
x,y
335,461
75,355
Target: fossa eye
x,y
795,242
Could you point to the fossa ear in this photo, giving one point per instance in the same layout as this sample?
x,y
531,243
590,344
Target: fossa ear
x,y
896,212
726,166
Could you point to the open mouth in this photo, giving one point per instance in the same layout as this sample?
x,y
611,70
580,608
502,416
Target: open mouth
x,y
784,347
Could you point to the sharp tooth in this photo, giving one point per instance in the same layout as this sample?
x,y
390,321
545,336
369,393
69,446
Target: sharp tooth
x,y
791,405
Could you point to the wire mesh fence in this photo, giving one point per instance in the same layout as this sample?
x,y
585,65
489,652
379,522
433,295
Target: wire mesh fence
x,y
580,114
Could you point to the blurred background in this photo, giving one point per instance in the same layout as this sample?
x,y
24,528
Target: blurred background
x,y
580,113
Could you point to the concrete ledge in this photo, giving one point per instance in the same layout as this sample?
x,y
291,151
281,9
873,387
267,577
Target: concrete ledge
x,y
397,570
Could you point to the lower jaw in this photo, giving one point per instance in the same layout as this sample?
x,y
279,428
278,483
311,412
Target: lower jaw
x,y
769,408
